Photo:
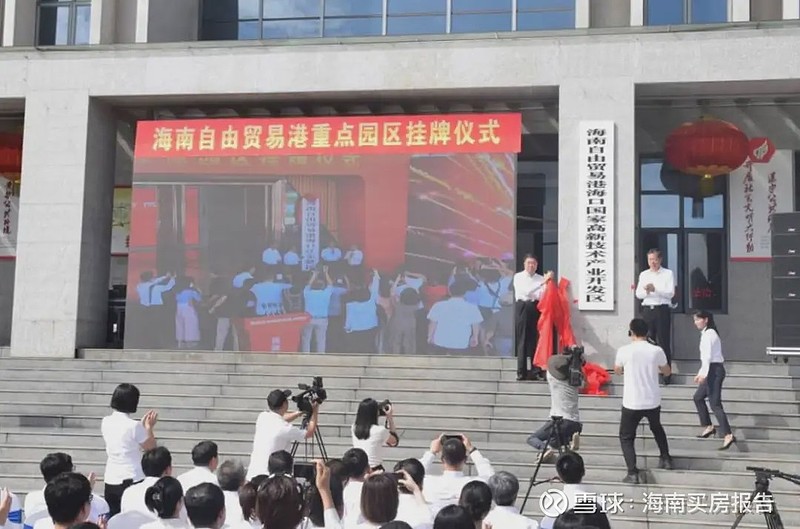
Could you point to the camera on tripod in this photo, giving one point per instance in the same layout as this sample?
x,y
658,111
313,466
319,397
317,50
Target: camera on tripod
x,y
384,407
310,395
576,362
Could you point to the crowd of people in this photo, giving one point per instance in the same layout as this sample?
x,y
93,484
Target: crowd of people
x,y
356,491
463,309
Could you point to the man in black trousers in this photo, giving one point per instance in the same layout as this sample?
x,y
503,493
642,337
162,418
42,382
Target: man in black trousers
x,y
528,289
656,288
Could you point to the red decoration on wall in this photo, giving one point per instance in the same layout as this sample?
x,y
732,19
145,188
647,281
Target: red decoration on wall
x,y
707,148
761,150
10,153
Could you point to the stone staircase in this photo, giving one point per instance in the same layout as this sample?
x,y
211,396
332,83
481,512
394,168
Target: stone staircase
x,y
52,404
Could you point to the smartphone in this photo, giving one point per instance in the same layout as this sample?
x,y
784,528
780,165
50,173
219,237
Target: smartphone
x,y
446,437
305,471
396,476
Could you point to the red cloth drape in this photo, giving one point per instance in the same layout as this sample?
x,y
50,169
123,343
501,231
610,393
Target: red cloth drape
x,y
596,377
555,316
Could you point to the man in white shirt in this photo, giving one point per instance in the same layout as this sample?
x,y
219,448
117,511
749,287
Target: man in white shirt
x,y
528,290
205,456
331,254
640,362
571,471
68,498
505,487
231,477
409,509
354,256
443,490
10,510
271,256
205,506
52,466
455,324
156,463
656,288
275,432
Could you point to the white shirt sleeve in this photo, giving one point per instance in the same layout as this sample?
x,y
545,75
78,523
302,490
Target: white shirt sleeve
x,y
620,360
482,464
707,339
434,313
296,434
641,293
475,315
427,460
662,358
139,433
332,520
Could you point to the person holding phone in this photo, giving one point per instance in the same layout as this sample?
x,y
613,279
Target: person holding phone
x,y
372,437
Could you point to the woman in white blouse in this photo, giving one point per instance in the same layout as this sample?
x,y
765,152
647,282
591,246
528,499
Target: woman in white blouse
x,y
710,378
125,439
165,499
370,436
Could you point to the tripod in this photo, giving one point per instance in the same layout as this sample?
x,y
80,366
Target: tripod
x,y
316,440
554,432
765,497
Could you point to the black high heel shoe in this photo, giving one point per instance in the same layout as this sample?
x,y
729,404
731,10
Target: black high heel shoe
x,y
728,444
707,434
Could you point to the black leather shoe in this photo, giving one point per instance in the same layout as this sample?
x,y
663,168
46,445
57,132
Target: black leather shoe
x,y
631,478
665,463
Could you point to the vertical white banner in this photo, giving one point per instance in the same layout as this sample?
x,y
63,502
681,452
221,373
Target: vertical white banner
x,y
8,240
757,190
596,179
310,234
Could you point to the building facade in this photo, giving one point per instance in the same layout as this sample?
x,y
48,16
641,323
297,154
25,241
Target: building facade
x,y
71,71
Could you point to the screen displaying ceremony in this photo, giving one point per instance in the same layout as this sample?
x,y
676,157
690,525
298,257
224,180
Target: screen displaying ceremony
x,y
391,235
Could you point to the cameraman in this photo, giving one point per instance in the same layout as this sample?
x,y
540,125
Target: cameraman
x,y
563,403
275,432
370,436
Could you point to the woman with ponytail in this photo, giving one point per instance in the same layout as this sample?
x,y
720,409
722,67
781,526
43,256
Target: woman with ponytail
x,y
165,499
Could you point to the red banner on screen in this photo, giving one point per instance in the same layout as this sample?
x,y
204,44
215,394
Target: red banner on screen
x,y
334,136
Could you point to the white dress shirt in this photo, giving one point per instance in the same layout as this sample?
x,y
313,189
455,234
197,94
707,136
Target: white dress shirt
x,y
441,491
271,256
710,350
575,493
129,520
355,257
509,518
233,509
331,255
331,518
664,283
416,515
374,445
528,287
170,523
641,361
123,437
133,497
291,259
352,503
273,433
36,508
15,514
196,476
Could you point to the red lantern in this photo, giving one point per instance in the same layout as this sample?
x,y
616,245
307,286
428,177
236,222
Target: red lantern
x,y
10,153
706,148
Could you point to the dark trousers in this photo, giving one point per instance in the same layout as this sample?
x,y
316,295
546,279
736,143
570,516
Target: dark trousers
x,y
711,389
659,324
113,496
567,429
362,341
527,322
629,422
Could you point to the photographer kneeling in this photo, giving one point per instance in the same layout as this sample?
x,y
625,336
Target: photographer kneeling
x,y
275,432
372,437
564,390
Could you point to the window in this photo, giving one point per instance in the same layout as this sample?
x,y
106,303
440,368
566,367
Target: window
x,y
64,22
545,14
280,19
675,12
691,233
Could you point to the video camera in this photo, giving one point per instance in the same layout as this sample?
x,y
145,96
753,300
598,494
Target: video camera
x,y
384,407
576,362
313,394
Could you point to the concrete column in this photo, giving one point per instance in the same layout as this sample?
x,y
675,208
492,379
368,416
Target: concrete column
x,y
102,30
142,20
60,288
19,24
594,98
582,14
637,12
791,9
739,10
